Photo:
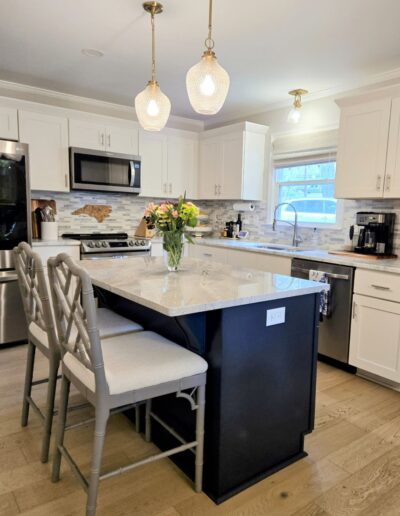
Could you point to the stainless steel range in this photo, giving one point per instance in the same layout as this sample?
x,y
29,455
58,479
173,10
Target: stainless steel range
x,y
110,245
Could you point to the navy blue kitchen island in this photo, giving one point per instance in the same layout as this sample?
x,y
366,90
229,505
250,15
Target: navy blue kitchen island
x,y
260,397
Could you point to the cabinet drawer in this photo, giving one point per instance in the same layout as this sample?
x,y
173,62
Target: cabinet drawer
x,y
204,252
46,252
382,285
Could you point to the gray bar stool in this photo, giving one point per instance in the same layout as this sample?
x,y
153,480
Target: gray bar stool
x,y
42,334
117,373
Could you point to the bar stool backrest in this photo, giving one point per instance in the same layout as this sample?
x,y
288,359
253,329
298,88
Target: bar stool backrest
x,y
75,313
35,292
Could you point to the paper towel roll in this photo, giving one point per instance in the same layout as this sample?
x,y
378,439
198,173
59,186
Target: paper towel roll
x,y
244,206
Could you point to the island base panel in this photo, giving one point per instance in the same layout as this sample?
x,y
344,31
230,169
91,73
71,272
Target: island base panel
x,y
260,397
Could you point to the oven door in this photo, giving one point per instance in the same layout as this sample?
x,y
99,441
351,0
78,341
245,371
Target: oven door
x,y
121,255
104,171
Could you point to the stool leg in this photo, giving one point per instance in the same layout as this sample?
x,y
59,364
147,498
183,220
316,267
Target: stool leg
x,y
147,434
137,418
30,362
99,434
62,417
200,438
48,420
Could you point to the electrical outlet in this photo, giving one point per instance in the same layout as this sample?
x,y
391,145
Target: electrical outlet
x,y
276,316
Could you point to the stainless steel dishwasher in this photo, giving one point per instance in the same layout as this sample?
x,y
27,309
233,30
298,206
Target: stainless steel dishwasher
x,y
334,333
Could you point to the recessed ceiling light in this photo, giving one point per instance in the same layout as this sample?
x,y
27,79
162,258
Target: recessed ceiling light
x,y
92,52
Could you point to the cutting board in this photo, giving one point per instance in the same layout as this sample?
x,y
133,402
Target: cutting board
x,y
364,256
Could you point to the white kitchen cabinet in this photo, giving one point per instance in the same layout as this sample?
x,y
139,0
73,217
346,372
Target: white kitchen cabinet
x,y
8,123
392,176
47,136
102,134
232,162
48,249
169,163
375,337
362,147
208,253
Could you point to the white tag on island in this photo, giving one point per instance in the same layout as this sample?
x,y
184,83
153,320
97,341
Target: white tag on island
x,y
276,316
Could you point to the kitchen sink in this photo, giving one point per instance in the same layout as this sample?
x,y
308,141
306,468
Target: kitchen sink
x,y
277,247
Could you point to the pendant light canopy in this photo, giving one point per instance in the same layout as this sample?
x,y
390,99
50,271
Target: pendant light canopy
x,y
151,105
207,83
295,113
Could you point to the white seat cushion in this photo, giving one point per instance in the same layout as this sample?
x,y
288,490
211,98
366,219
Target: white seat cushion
x,y
109,323
138,360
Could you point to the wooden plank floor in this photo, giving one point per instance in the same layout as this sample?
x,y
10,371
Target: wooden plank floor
x,y
353,465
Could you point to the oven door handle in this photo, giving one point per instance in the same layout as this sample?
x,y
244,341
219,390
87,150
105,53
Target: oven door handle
x,y
9,278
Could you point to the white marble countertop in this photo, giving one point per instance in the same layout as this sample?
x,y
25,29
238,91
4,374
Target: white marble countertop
x,y
388,265
36,242
199,286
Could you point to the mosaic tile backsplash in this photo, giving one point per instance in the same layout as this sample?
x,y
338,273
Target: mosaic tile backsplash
x,y
127,211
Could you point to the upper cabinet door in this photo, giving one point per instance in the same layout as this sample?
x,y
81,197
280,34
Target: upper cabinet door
x,y
153,153
47,136
209,181
230,186
122,138
87,134
361,159
392,179
182,166
254,162
8,123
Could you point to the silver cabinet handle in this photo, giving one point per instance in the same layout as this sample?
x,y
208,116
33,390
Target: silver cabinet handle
x,y
207,254
378,182
388,181
216,189
102,139
170,188
109,140
165,187
66,180
219,189
354,310
380,287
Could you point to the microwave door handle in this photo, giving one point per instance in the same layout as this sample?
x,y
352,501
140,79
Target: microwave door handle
x,y
132,172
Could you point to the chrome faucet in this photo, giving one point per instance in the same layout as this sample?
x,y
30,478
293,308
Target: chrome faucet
x,y
296,237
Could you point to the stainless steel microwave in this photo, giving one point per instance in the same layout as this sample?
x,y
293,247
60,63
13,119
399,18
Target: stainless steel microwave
x,y
104,171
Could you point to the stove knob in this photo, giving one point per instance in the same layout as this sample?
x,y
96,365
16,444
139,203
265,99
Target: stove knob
x,y
137,242
91,244
104,244
98,244
142,242
131,243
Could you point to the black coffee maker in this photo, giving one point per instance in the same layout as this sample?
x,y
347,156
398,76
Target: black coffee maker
x,y
375,233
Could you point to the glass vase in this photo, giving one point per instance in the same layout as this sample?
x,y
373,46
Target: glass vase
x,y
173,249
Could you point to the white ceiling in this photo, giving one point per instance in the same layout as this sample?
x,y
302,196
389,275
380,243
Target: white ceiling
x,y
272,48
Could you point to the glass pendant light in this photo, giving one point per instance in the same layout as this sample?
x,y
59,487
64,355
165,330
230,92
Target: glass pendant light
x,y
151,105
207,83
295,113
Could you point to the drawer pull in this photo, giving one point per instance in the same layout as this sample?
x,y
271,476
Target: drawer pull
x,y
381,287
207,254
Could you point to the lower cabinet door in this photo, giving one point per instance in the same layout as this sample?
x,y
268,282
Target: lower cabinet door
x,y
375,337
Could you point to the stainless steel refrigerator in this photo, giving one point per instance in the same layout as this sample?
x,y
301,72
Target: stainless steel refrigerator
x,y
15,227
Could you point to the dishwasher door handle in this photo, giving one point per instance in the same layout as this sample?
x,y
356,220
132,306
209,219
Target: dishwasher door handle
x,y
8,278
329,275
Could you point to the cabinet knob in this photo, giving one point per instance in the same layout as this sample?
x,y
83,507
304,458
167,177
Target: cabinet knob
x,y
102,138
378,182
109,140
388,181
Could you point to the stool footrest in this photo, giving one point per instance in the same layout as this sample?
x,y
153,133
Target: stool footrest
x,y
35,407
170,430
74,467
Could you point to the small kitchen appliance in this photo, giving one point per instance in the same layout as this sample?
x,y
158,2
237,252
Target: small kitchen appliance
x,y
375,233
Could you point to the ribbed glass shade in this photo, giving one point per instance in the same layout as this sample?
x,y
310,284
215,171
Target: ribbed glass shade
x,y
207,84
294,115
152,107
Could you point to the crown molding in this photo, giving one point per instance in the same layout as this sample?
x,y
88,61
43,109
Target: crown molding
x,y
342,89
66,100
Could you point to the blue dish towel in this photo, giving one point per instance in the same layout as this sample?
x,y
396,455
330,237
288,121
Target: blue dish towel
x,y
325,299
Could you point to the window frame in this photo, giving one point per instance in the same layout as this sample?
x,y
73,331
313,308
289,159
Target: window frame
x,y
306,160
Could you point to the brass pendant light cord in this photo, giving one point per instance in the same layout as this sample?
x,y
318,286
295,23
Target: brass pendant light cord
x,y
209,42
153,49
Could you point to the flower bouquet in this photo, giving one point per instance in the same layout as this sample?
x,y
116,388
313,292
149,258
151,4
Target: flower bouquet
x,y
171,220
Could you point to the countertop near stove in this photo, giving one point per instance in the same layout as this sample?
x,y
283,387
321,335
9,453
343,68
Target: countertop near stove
x,y
36,242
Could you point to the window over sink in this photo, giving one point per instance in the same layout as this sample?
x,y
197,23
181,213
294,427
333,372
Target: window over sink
x,y
308,184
